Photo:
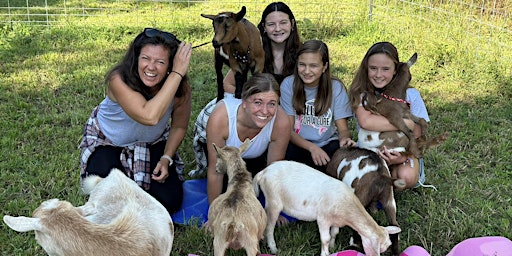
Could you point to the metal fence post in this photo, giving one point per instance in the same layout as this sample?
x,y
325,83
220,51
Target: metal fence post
x,y
370,12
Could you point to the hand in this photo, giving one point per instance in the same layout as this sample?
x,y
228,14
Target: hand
x,y
347,142
319,156
391,157
182,58
161,172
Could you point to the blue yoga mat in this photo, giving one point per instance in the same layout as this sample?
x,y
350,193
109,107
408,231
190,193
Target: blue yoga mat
x,y
194,209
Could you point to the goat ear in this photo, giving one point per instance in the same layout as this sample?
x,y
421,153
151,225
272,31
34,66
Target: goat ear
x,y
393,230
240,14
23,224
244,146
412,60
208,16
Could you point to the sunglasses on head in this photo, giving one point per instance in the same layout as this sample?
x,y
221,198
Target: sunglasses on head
x,y
152,32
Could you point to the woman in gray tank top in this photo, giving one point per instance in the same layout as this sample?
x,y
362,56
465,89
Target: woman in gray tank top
x,y
129,129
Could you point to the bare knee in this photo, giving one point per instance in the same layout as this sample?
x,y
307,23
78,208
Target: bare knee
x,y
408,171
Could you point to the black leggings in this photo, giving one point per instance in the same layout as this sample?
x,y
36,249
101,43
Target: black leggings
x,y
168,193
301,155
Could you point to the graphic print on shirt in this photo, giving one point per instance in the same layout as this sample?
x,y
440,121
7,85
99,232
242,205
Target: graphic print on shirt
x,y
320,123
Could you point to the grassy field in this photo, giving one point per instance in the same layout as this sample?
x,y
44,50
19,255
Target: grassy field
x,y
51,78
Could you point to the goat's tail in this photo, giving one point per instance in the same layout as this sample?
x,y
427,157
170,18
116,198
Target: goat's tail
x,y
89,183
234,230
432,142
256,183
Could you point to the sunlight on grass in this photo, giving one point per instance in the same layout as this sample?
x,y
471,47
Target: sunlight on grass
x,y
52,77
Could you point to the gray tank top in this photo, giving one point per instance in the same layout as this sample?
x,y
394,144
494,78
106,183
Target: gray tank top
x,y
122,130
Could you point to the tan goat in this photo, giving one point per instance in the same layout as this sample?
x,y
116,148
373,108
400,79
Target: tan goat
x,y
119,219
236,218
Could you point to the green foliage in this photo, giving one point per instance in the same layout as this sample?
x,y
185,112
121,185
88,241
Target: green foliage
x,y
52,77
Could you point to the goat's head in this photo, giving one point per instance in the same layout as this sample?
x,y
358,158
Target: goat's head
x,y
47,221
228,155
225,26
379,242
402,78
47,208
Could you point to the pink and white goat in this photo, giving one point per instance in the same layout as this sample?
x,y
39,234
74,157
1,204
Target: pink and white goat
x,y
309,195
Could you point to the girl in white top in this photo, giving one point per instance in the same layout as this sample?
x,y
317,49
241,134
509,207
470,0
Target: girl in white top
x,y
377,70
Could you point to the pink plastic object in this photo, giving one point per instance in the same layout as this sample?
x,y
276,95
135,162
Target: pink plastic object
x,y
414,250
347,253
488,245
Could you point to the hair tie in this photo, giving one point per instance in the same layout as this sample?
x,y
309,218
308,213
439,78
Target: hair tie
x,y
172,71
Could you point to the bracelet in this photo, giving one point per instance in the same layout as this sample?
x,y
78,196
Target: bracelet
x,y
172,71
168,158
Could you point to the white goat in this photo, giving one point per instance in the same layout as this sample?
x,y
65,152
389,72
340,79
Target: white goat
x,y
119,219
307,194
236,217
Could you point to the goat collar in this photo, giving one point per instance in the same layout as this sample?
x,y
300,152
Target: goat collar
x,y
242,58
396,99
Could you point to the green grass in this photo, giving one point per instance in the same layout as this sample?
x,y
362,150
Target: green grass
x,y
51,78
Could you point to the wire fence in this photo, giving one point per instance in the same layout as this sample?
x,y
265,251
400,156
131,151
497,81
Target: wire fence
x,y
488,21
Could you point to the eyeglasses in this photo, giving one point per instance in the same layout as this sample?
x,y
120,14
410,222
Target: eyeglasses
x,y
152,32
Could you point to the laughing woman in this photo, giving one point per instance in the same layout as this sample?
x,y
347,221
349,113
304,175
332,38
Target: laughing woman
x,y
129,129
258,117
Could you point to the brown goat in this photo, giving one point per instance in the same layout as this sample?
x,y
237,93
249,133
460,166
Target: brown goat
x,y
391,103
238,44
236,218
369,177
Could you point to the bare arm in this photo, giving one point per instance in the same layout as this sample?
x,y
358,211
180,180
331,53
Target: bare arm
x,y
372,122
149,112
216,132
179,124
344,133
279,138
229,82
